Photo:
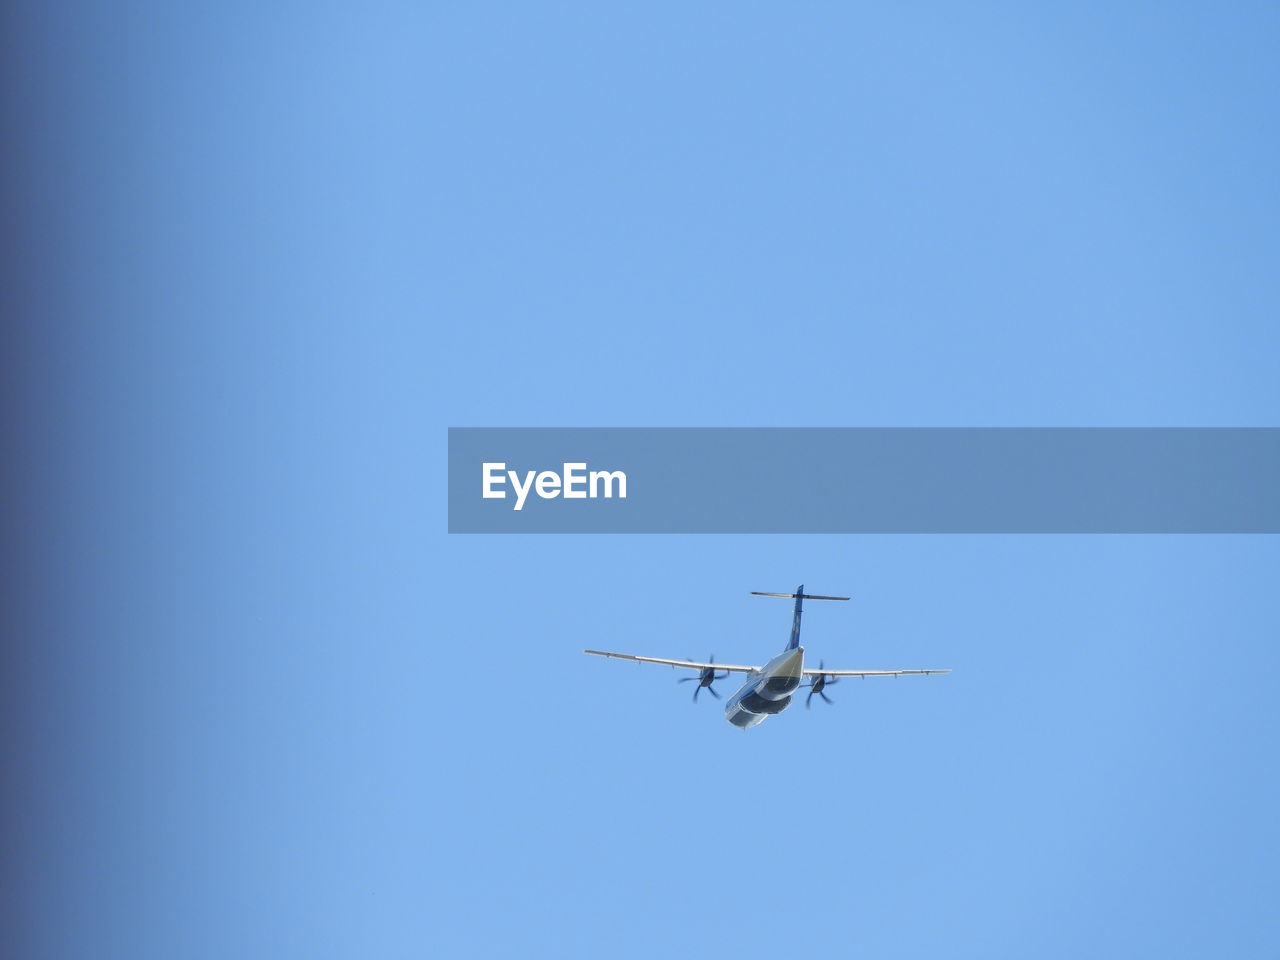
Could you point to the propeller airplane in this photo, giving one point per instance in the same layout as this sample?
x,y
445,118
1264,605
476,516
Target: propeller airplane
x,y
768,689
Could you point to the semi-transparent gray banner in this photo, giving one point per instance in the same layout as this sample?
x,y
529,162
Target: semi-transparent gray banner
x,y
864,480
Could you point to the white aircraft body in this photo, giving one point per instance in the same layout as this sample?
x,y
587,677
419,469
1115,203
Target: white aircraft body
x,y
768,689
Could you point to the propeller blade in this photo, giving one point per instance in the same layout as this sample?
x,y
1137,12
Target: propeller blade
x,y
712,690
808,698
695,693
686,679
825,697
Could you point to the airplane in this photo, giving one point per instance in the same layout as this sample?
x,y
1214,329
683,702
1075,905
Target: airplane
x,y
768,689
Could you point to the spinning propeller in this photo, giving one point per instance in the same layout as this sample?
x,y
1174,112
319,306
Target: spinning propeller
x,y
819,681
706,676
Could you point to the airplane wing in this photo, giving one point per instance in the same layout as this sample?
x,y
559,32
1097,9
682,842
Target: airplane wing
x,y
690,664
867,673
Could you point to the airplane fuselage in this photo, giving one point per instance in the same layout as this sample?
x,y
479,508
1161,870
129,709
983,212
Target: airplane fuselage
x,y
767,691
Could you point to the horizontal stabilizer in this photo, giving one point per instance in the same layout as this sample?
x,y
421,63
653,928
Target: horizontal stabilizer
x,y
795,596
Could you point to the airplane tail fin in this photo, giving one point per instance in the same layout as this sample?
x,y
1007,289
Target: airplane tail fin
x,y
799,597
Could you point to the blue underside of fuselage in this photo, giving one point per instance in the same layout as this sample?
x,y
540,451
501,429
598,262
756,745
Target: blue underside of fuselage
x,y
769,692
751,707
779,686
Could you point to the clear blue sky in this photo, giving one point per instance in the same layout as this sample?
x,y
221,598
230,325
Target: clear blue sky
x,y
263,706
